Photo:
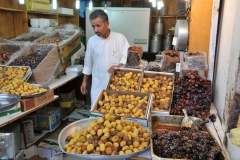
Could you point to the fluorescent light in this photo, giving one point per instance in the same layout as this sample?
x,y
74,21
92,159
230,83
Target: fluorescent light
x,y
153,3
21,1
160,4
90,5
54,4
105,7
77,4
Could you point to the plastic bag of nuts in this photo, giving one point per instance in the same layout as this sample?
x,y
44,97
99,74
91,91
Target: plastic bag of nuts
x,y
134,55
196,60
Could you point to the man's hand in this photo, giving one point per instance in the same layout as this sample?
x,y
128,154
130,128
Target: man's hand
x,y
83,88
111,69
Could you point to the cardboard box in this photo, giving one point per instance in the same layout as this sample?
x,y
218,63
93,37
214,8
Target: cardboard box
x,y
15,109
62,10
65,112
69,47
78,114
30,103
66,94
143,121
47,118
37,6
37,1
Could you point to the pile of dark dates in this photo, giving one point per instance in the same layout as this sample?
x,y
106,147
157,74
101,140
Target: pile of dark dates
x,y
191,143
31,60
195,53
172,53
193,93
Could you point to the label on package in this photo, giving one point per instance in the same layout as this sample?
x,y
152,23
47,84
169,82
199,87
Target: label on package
x,y
178,67
174,41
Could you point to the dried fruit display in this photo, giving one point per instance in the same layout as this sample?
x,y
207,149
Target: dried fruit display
x,y
134,55
48,40
4,57
123,105
193,144
193,93
8,74
109,136
31,60
125,81
172,53
161,87
18,87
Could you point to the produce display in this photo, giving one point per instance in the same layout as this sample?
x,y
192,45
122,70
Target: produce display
x,y
193,93
8,74
134,55
123,105
161,87
31,60
171,57
194,143
109,136
125,81
47,40
4,57
11,82
31,39
154,66
196,60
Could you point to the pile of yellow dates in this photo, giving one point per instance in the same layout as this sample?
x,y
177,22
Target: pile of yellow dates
x,y
11,82
125,81
123,105
161,87
109,136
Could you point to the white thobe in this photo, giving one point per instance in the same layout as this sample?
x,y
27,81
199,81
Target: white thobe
x,y
101,54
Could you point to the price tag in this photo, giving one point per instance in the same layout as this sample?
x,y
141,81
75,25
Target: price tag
x,y
178,67
174,41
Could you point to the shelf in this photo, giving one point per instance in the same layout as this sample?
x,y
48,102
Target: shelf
x,y
10,9
65,15
169,16
58,82
42,12
13,117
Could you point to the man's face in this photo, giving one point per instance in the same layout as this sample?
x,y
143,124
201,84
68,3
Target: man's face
x,y
99,27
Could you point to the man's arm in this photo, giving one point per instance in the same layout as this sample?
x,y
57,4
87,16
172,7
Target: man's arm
x,y
83,87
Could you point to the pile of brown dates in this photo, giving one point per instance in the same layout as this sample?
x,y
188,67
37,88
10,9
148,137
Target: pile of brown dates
x,y
193,93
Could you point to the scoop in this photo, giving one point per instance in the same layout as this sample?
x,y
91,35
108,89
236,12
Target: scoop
x,y
186,122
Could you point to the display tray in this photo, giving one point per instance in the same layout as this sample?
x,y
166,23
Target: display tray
x,y
27,74
136,71
143,121
81,125
8,101
151,74
173,121
39,94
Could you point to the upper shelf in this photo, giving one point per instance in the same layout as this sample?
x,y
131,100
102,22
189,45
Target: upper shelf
x,y
41,12
169,16
10,9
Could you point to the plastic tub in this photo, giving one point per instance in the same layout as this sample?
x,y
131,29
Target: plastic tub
x,y
232,149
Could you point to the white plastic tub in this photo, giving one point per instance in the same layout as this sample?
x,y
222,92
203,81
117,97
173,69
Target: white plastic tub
x,y
233,150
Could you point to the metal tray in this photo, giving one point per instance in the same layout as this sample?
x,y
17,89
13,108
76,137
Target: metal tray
x,y
151,74
39,94
127,70
143,121
8,101
81,125
173,120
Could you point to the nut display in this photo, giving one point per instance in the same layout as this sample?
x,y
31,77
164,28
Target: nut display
x,y
109,136
134,55
193,93
123,105
8,74
31,60
193,144
4,57
125,81
18,87
47,40
161,87
31,39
